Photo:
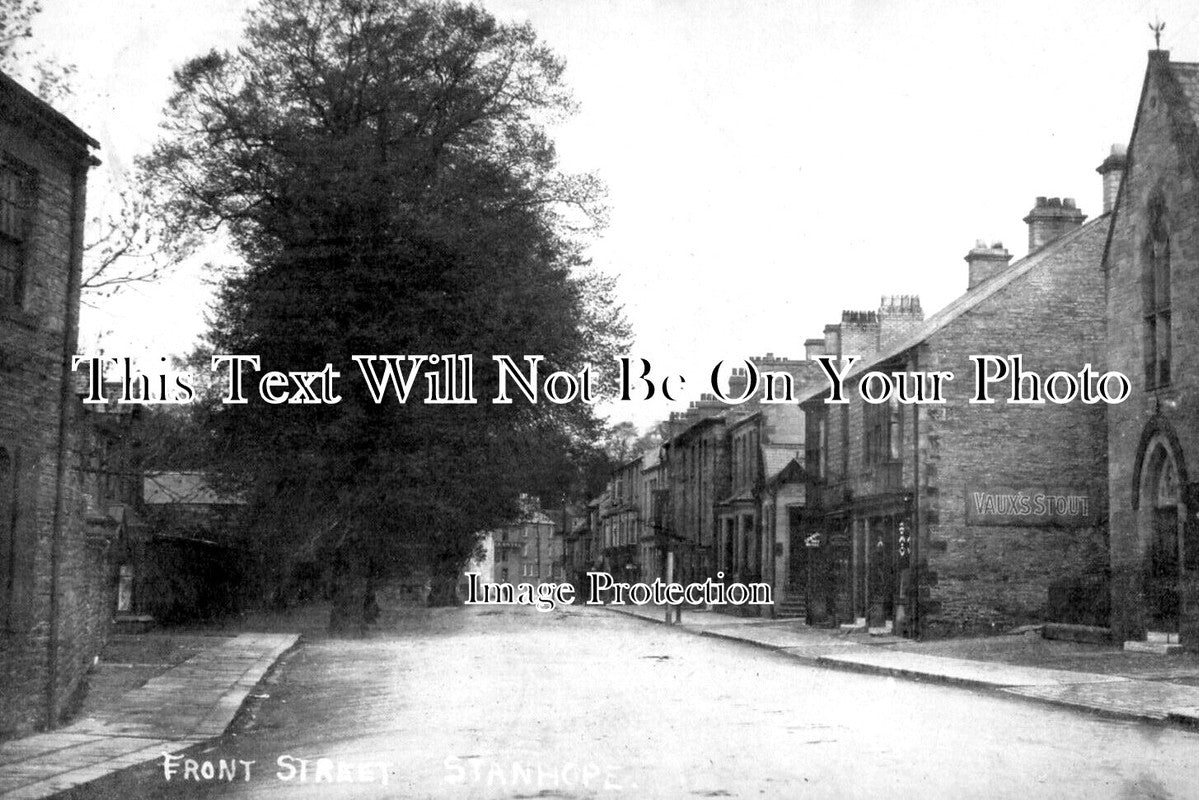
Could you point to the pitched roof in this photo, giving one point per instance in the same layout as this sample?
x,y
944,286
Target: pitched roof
x,y
776,457
1180,92
1093,231
44,113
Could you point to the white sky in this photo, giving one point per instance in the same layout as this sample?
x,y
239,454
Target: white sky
x,y
769,162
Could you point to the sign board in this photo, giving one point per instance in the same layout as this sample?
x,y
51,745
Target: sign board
x,y
1036,505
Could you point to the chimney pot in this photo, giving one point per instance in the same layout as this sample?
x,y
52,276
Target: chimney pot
x,y
984,262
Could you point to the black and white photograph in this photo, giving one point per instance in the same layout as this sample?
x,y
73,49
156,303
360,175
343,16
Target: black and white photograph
x,y
599,398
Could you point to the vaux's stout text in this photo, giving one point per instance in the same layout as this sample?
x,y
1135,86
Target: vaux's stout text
x,y
450,379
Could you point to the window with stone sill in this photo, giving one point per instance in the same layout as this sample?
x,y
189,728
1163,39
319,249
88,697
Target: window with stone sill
x,y
17,194
882,433
1156,297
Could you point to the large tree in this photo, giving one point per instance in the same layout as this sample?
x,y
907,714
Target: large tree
x,y
384,169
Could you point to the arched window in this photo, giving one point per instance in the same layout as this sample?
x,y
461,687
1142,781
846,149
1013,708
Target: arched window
x,y
1156,297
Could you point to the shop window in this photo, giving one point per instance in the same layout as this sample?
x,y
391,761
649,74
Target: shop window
x,y
1156,297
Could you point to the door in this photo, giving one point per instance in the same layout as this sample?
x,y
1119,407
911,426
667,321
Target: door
x,y
880,540
1161,582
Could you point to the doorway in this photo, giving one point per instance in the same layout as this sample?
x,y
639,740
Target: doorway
x,y
1161,501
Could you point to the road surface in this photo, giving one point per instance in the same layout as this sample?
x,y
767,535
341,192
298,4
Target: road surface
x,y
490,702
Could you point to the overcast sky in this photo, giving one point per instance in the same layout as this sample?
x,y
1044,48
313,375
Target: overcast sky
x,y
768,163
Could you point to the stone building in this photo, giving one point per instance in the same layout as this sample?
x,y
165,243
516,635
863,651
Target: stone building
x,y
526,550
621,522
652,543
942,519
696,471
57,585
1152,276
766,435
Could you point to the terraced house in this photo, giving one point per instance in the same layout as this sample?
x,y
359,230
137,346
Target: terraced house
x,y
906,527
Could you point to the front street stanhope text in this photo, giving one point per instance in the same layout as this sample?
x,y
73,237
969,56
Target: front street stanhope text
x,y
601,588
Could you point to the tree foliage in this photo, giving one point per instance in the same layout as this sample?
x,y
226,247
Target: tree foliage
x,y
126,240
385,171
20,55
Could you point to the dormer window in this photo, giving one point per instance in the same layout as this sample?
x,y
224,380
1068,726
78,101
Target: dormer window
x,y
1156,297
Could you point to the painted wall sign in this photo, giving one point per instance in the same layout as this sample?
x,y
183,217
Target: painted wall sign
x,y
1038,505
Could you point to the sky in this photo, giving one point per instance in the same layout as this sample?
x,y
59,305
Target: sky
x,y
768,163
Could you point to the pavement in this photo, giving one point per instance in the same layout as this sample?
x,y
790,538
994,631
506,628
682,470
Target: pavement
x,y
1123,686
187,704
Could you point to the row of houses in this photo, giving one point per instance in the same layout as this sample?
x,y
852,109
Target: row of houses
x,y
966,517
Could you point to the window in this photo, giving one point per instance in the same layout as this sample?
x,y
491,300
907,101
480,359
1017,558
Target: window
x,y
16,206
882,439
1156,297
815,442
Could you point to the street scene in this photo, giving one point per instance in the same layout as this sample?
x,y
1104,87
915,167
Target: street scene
x,y
432,398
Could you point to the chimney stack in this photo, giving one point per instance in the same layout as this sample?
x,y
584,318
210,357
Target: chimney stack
x,y
832,340
859,334
1112,170
986,261
738,382
899,315
1049,219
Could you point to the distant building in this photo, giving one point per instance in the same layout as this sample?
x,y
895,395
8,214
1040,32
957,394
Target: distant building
x,y
57,581
652,541
622,522
526,549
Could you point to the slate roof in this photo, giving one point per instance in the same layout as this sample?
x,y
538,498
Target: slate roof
x,y
1180,91
775,458
46,114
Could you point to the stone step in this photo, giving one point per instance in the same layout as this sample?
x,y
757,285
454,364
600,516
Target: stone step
x,y
1161,637
1155,648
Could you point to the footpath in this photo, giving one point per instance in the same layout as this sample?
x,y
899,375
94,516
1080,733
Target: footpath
x,y
1099,679
186,704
